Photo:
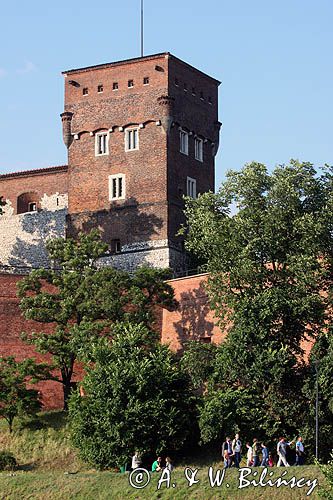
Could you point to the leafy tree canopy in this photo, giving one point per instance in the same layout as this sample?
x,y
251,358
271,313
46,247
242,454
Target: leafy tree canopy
x,y
135,399
16,399
81,300
267,239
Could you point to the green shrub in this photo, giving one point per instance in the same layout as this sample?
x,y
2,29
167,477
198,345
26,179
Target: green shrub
x,y
7,460
327,470
136,398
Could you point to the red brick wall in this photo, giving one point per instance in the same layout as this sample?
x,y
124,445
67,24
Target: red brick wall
x,y
12,324
193,319
44,181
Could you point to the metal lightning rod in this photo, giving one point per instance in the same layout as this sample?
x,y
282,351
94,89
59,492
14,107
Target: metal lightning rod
x,y
141,28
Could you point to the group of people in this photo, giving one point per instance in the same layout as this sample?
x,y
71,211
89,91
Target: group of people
x,y
258,453
158,465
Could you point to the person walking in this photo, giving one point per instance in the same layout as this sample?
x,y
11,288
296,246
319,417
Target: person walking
x,y
299,451
136,460
255,452
282,451
249,455
237,450
227,452
264,461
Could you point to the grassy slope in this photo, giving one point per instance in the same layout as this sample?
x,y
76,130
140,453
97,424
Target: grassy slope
x,y
45,457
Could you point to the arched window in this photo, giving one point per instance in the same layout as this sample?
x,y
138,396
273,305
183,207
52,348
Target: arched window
x,y
27,202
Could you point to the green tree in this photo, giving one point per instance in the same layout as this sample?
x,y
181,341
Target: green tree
x,y
266,239
81,300
136,398
16,399
198,361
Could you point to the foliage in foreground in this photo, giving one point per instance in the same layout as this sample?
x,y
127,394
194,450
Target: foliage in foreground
x,y
16,399
135,398
268,264
327,471
81,300
7,460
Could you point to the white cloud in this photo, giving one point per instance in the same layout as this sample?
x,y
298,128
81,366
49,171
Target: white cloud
x,y
27,68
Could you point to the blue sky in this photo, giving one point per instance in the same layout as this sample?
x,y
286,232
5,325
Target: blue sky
x,y
274,59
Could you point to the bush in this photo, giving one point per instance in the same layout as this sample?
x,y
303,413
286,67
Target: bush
x,y
7,460
327,470
136,398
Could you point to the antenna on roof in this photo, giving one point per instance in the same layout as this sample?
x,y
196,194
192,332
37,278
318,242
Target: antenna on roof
x,y
141,28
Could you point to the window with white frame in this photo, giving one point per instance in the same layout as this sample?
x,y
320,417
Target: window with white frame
x,y
191,187
101,144
198,148
131,139
183,142
116,187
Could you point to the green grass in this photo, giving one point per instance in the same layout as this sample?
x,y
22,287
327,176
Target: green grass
x,y
49,469
110,485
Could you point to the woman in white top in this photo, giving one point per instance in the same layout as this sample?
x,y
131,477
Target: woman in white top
x,y
249,456
168,464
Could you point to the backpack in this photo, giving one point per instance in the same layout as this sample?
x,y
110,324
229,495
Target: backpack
x,y
256,448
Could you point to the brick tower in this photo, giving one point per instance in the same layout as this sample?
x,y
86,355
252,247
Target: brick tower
x,y
140,134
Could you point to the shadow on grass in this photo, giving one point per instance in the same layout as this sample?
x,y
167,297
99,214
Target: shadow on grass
x,y
56,420
27,467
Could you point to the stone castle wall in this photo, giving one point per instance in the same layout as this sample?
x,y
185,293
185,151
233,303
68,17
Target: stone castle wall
x,y
23,237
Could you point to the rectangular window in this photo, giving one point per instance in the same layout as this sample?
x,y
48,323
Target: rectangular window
x,y
101,144
191,187
184,142
131,139
146,80
115,246
116,187
100,88
85,91
32,207
130,83
115,86
198,149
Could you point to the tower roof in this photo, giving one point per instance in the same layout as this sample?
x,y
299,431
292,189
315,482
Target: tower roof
x,y
137,60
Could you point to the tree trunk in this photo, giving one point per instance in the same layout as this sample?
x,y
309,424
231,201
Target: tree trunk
x,y
67,386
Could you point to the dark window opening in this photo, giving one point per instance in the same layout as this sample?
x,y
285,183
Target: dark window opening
x,y
115,86
130,83
115,246
100,88
146,80
206,340
176,82
27,202
210,100
85,91
32,207
201,95
193,90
